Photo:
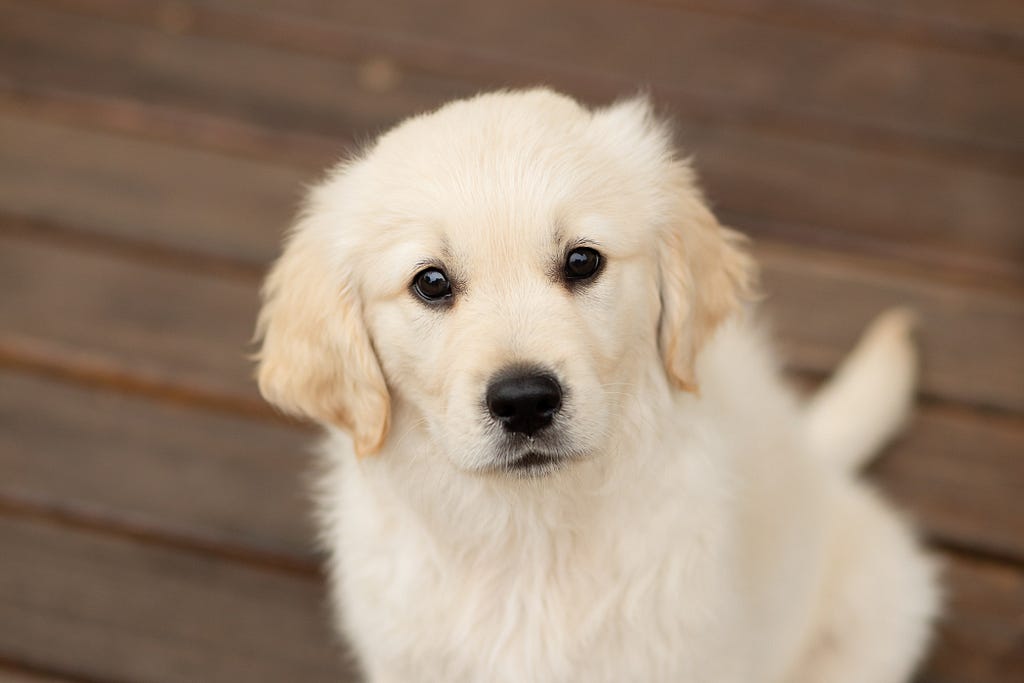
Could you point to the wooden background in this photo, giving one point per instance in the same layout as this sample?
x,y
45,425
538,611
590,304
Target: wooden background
x,y
152,513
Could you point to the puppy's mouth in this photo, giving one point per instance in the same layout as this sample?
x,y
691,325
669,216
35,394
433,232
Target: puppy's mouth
x,y
530,464
528,457
533,460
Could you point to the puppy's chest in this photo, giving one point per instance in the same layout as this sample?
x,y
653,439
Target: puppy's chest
x,y
563,610
528,617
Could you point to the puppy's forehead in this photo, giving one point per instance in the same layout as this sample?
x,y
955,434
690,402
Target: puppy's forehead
x,y
469,129
521,165
524,150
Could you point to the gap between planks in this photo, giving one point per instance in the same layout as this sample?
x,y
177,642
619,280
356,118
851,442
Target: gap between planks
x,y
16,670
82,520
32,357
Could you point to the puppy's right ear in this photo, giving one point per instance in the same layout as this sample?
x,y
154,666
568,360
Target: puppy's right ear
x,y
705,274
316,359
704,269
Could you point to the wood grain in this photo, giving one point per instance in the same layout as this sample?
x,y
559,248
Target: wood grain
x,y
109,314
46,50
981,637
945,214
960,477
993,28
131,612
9,675
998,17
722,64
164,470
155,194
21,672
969,337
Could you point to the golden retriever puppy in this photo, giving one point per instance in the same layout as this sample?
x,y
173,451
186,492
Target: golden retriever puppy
x,y
557,448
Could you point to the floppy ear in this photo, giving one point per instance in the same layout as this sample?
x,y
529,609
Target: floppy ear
x,y
705,273
704,269
316,359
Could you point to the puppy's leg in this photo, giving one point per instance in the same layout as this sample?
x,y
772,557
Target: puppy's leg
x,y
878,601
868,398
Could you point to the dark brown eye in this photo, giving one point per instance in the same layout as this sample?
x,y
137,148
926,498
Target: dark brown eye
x,y
582,263
432,285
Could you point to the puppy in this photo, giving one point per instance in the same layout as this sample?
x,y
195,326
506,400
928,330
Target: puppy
x,y
558,449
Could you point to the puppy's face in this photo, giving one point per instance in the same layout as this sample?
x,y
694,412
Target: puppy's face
x,y
510,308
504,272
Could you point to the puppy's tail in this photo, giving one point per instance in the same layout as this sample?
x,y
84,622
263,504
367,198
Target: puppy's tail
x,y
869,397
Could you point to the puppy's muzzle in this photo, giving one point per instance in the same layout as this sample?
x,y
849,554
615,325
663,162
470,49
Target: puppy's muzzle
x,y
524,401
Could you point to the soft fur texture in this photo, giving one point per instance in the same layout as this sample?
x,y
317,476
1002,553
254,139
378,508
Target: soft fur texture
x,y
704,526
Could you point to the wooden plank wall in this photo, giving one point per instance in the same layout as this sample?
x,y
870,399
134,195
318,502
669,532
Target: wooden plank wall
x,y
152,514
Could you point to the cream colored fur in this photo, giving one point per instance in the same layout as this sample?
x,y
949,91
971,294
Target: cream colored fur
x,y
707,527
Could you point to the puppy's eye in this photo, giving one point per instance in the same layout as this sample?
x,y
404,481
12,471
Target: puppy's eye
x,y
582,263
432,285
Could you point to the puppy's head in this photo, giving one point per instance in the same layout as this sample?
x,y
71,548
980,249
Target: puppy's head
x,y
505,272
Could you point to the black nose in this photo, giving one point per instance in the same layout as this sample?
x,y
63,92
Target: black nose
x,y
524,403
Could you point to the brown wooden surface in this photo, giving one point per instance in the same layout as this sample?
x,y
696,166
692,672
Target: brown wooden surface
x,y
19,673
154,613
153,522
782,183
156,468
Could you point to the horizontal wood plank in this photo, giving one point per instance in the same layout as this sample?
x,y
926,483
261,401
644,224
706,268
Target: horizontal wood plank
x,y
131,612
110,315
981,636
940,213
969,338
155,194
17,674
46,50
993,28
723,64
960,478
999,17
158,469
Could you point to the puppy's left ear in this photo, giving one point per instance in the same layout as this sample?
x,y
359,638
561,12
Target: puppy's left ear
x,y
704,270
705,273
316,358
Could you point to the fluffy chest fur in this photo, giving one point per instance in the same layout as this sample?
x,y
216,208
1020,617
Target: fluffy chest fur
x,y
531,598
